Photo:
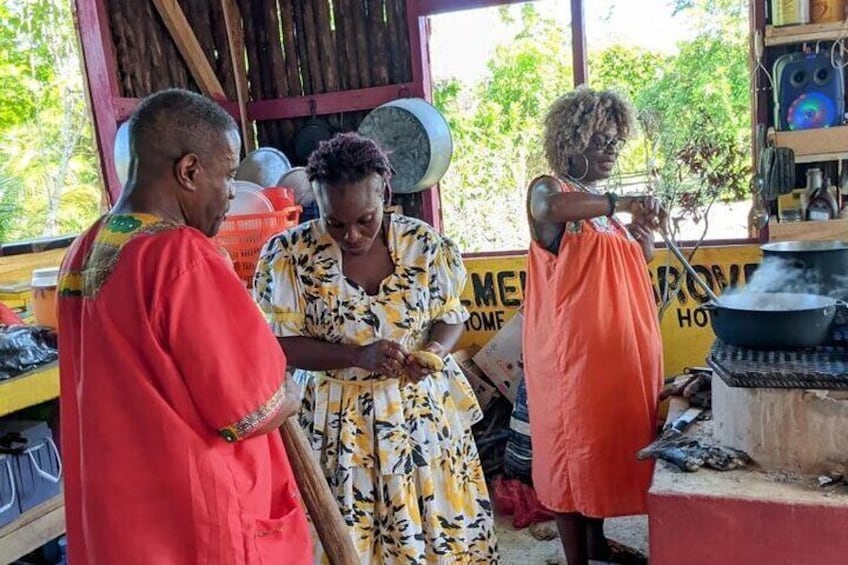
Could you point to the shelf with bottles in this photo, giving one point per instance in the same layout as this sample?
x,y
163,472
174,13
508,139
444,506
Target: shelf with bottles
x,y
814,145
809,231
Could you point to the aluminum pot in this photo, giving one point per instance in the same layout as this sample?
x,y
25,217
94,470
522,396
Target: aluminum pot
x,y
263,166
417,139
827,262
773,320
121,152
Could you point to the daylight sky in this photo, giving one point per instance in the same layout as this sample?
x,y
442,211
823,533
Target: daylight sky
x,y
462,42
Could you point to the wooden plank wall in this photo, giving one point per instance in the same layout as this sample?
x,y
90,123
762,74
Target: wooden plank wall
x,y
292,48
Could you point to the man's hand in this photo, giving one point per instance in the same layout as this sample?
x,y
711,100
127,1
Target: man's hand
x,y
291,404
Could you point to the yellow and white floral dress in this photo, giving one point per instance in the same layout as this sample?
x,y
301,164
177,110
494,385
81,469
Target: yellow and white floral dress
x,y
400,458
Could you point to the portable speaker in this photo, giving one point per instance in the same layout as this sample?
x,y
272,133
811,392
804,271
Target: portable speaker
x,y
810,91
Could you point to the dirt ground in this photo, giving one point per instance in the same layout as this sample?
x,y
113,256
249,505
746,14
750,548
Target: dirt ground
x,y
519,547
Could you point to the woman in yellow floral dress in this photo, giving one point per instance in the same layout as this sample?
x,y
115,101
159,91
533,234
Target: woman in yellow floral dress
x,y
350,296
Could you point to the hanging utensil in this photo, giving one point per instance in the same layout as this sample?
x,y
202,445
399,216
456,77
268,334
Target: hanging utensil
x,y
308,137
417,139
263,166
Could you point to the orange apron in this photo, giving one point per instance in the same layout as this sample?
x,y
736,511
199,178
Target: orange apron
x,y
593,365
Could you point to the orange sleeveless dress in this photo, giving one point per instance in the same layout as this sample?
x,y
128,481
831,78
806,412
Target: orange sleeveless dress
x,y
593,366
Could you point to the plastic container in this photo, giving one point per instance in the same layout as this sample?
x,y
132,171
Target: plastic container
x,y
9,506
44,283
790,12
36,465
243,237
248,202
823,11
281,197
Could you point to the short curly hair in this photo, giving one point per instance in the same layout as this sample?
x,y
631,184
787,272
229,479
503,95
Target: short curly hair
x,y
347,158
575,117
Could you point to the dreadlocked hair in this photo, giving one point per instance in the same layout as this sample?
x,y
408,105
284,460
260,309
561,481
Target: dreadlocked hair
x,y
347,158
575,117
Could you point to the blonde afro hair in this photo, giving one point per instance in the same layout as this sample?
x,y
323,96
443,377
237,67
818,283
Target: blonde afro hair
x,y
575,117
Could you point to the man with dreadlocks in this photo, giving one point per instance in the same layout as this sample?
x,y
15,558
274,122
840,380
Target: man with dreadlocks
x,y
354,298
592,344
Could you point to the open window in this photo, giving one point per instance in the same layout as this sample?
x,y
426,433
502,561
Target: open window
x,y
684,65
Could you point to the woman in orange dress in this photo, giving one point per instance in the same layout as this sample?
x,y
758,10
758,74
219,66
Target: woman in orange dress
x,y
592,344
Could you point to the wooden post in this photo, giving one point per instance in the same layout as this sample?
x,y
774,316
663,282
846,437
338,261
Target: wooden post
x,y
235,42
189,47
578,43
102,82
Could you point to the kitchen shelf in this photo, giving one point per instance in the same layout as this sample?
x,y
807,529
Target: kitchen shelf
x,y
32,529
29,389
814,145
810,231
787,35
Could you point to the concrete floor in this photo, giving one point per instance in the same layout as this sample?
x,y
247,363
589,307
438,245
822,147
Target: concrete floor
x,y
519,547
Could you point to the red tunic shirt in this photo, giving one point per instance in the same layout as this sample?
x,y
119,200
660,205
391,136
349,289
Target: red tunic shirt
x,y
166,365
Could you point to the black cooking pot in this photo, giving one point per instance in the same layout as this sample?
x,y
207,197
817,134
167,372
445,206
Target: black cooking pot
x,y
773,320
826,261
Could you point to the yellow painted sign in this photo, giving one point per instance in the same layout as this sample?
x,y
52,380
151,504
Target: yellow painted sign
x,y
495,290
496,283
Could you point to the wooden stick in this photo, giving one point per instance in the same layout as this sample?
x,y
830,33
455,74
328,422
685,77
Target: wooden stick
x,y
377,49
189,47
360,20
312,47
235,42
320,502
327,44
223,61
260,34
277,70
290,47
346,18
403,47
344,83
302,48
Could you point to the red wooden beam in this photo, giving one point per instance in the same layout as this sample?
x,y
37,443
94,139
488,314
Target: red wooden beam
x,y
578,43
328,103
433,7
419,39
124,107
102,82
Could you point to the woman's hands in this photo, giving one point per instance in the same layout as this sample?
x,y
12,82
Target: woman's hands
x,y
646,210
644,237
418,372
390,359
384,357
648,216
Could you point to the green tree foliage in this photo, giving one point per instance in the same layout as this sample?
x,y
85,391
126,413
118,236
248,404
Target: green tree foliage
x,y
49,182
497,133
694,108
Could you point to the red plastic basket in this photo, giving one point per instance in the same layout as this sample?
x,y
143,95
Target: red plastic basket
x,y
244,236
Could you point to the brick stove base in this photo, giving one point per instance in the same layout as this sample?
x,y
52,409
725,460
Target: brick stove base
x,y
744,518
